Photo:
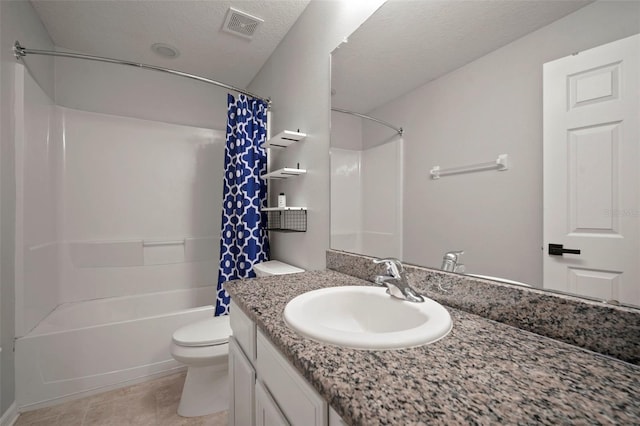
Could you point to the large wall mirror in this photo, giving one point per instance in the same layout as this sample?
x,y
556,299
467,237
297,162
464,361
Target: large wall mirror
x,y
493,93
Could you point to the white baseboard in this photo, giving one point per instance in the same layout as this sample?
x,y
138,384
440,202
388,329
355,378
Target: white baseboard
x,y
10,416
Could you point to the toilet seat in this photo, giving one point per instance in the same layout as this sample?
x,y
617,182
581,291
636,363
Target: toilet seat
x,y
210,332
200,355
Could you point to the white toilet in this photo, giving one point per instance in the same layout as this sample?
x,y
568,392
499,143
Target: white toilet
x,y
204,348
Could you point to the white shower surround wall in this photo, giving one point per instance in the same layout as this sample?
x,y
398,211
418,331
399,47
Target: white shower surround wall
x,y
127,181
37,202
367,187
107,207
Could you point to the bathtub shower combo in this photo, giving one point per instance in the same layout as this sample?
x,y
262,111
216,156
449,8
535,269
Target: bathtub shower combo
x,y
109,262
117,242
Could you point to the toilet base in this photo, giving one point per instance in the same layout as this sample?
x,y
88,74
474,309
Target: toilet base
x,y
205,391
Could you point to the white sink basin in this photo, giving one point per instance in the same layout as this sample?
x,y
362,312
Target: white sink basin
x,y
363,317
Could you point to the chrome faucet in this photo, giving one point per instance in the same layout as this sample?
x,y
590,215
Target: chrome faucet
x,y
450,262
396,281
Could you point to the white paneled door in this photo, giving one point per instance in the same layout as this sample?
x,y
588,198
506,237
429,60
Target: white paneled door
x,y
591,177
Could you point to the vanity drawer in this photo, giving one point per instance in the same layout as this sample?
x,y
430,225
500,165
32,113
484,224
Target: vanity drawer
x,y
244,331
297,400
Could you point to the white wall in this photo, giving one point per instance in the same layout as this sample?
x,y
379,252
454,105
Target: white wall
x,y
2,409
296,76
489,107
18,21
134,92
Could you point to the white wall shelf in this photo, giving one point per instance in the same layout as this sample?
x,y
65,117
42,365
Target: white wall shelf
x,y
284,139
285,219
285,173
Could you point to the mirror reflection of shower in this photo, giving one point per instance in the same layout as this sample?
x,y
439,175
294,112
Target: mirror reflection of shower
x,y
366,180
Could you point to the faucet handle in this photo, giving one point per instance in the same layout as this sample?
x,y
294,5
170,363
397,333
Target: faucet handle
x,y
453,255
394,266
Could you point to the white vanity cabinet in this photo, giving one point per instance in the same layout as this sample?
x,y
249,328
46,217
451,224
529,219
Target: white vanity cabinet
x,y
265,389
242,379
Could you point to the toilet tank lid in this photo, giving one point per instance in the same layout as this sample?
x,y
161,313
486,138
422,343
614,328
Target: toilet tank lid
x,y
275,267
209,332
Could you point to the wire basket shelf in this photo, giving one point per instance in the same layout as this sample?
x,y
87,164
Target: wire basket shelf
x,y
287,220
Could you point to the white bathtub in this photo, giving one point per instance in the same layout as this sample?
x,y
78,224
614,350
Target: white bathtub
x,y
85,346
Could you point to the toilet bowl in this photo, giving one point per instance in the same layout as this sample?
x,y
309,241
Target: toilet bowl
x,y
203,347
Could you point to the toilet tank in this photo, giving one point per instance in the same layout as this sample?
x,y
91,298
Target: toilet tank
x,y
274,267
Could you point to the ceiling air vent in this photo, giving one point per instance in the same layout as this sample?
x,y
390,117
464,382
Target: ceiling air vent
x,y
241,24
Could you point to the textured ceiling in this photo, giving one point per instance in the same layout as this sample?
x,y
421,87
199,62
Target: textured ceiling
x,y
126,29
408,43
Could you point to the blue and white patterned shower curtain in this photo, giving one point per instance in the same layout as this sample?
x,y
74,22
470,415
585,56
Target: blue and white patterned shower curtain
x,y
243,241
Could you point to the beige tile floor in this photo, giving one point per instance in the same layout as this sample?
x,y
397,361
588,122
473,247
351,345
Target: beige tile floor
x,y
152,403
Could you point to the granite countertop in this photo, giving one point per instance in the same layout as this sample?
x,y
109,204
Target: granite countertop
x,y
483,372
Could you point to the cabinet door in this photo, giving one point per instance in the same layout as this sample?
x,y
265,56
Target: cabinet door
x,y
267,412
242,379
244,331
298,400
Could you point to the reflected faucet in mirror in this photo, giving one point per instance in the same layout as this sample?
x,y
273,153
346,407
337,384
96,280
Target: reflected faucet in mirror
x,y
450,261
396,281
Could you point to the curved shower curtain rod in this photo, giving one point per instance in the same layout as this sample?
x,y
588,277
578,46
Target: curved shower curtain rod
x,y
399,130
21,51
